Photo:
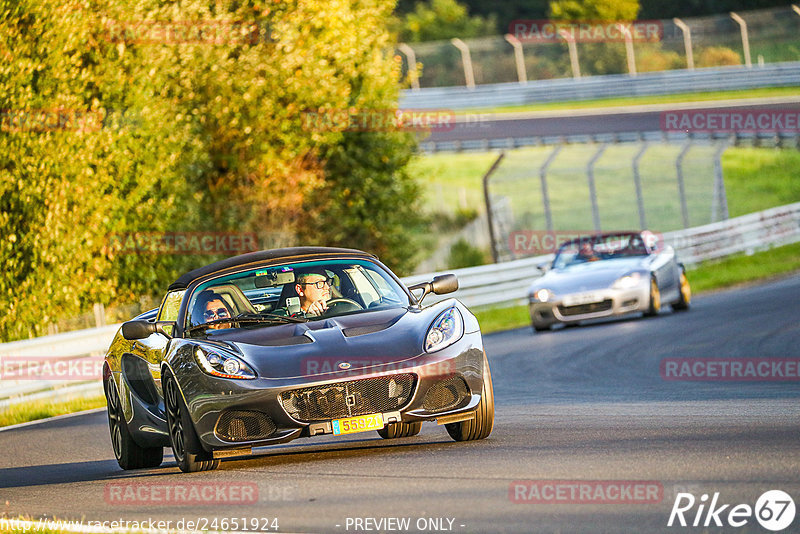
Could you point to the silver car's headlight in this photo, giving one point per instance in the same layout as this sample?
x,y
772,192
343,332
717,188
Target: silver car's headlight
x,y
543,295
628,281
445,330
222,365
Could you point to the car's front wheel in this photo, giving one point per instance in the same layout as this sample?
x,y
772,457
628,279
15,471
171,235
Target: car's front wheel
x,y
186,448
400,430
655,299
128,453
481,425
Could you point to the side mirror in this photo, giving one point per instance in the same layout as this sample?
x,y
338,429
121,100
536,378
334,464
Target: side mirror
x,y
544,267
441,285
133,330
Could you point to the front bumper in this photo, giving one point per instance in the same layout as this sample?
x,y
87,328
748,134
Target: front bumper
x,y
595,304
209,398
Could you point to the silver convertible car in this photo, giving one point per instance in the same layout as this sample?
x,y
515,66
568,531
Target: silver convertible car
x,y
607,275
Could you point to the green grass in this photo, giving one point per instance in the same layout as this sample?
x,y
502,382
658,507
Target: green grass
x,y
713,275
760,178
31,411
640,100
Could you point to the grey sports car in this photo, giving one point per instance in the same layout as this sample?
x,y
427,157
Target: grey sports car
x,y
271,346
606,275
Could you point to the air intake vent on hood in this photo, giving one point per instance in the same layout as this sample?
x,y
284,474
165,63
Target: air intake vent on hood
x,y
369,329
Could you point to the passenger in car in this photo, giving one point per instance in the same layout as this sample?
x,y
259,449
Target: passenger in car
x,y
210,306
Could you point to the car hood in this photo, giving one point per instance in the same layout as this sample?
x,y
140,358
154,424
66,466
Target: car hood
x,y
317,347
588,276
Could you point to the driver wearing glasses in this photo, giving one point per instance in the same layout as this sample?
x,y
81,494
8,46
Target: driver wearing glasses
x,y
314,290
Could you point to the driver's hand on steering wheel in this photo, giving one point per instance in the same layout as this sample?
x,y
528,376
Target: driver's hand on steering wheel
x,y
317,308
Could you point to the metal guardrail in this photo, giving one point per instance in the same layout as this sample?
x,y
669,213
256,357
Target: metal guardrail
x,y
606,86
496,284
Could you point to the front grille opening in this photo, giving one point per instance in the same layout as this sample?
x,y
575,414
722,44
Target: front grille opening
x,y
347,399
445,394
243,425
581,309
629,303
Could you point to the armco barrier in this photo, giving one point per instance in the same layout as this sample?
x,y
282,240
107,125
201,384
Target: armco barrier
x,y
606,86
496,284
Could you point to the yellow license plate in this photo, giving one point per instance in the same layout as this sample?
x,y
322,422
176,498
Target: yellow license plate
x,y
362,423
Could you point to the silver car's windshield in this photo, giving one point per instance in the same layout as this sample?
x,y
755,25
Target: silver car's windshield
x,y
293,292
601,248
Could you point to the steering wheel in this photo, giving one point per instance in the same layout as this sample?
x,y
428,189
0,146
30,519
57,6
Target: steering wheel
x,y
346,305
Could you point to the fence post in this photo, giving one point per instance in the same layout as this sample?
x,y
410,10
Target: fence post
x,y
99,314
466,59
573,52
488,202
411,58
681,187
592,188
720,200
548,216
687,42
626,32
745,40
519,57
637,181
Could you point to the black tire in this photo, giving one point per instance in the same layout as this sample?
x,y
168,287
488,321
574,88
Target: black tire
x,y
481,425
128,453
654,306
542,328
400,430
186,448
685,299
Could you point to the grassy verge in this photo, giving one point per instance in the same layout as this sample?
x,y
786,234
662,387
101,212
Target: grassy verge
x,y
730,272
639,100
31,411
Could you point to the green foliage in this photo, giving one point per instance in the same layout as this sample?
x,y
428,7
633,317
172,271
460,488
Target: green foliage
x,y
594,10
462,254
718,56
443,19
186,136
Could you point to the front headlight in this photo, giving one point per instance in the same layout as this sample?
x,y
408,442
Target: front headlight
x,y
222,365
445,330
628,281
543,295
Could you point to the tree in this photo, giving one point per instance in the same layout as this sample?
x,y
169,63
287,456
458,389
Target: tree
x,y
443,19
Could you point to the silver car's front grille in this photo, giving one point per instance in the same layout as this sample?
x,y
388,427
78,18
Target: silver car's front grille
x,y
583,309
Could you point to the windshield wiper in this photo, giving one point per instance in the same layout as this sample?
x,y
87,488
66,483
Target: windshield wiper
x,y
252,318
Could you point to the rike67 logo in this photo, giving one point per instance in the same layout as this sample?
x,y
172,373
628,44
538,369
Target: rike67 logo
x,y
774,510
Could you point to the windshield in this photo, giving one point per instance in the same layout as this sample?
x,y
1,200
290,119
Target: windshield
x,y
599,248
295,292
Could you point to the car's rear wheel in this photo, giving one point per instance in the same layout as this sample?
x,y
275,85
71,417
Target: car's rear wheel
x,y
128,453
542,327
186,448
655,299
400,430
685,294
481,425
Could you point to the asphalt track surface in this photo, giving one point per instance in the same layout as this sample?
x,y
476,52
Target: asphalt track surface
x,y
591,121
585,403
